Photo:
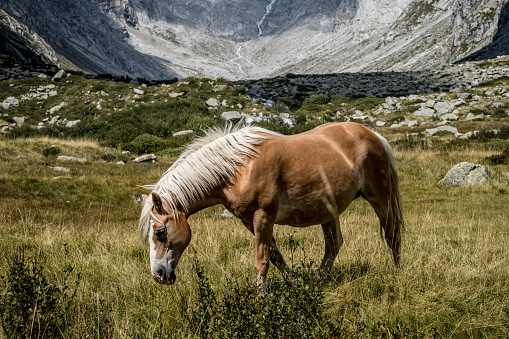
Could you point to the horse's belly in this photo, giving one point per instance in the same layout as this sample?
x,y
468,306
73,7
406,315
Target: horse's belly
x,y
304,213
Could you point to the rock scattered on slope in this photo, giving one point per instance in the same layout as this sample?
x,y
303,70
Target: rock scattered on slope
x,y
466,173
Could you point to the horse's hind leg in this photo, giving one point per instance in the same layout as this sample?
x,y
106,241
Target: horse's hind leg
x,y
333,241
391,230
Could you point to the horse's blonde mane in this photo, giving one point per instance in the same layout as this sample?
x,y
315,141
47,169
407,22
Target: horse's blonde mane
x,y
205,163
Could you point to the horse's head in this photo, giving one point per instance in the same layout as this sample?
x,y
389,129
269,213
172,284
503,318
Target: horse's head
x,y
168,236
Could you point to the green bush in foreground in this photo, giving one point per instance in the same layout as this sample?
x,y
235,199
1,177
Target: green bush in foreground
x,y
32,306
284,310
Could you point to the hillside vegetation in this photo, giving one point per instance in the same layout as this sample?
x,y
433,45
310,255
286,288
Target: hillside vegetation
x,y
73,266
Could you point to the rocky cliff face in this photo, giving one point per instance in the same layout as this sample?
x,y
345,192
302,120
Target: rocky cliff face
x,y
252,39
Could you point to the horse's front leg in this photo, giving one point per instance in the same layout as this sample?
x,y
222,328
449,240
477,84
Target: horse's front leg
x,y
276,257
263,227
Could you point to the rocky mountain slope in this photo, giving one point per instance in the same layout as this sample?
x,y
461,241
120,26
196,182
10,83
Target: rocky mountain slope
x,y
253,39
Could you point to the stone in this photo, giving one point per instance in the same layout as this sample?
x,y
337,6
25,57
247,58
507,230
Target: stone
x,y
176,94
466,173
57,108
189,131
219,88
449,116
138,91
497,105
444,107
10,102
43,76
233,116
212,102
380,123
390,101
424,112
430,103
126,153
60,75
432,131
465,96
61,169
71,158
19,120
413,123
72,123
146,158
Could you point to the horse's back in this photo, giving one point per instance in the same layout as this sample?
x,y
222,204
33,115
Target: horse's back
x,y
298,172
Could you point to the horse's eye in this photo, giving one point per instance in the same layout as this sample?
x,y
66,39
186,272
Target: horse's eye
x,y
161,231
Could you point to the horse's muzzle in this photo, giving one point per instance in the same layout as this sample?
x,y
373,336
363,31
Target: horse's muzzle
x,y
161,276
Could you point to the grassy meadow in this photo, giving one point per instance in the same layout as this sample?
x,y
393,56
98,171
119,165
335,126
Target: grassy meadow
x,y
79,228
72,266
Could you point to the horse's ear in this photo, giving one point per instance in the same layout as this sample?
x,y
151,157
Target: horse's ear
x,y
158,202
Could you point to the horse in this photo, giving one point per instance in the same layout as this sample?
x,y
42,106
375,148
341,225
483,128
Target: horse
x,y
265,178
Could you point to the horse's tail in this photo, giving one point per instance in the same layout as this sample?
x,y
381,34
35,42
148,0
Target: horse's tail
x,y
396,205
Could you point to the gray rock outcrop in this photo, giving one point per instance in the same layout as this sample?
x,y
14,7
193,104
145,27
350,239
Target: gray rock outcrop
x,y
146,158
466,173
10,102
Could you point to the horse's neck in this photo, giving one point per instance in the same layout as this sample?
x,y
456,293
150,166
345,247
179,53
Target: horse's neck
x,y
214,198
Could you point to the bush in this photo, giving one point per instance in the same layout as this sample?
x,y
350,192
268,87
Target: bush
x,y
33,307
486,135
499,159
146,143
52,150
282,311
317,99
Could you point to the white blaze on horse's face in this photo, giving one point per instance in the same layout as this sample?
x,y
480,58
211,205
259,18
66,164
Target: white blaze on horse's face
x,y
169,235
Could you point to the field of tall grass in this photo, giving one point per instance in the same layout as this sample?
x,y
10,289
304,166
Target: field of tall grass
x,y
69,242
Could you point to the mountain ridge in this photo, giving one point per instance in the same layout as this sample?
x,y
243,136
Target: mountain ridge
x,y
255,39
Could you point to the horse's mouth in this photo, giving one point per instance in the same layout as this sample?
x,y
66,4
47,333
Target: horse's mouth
x,y
162,281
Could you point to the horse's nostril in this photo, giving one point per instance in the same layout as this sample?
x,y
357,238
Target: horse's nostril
x,y
173,277
160,272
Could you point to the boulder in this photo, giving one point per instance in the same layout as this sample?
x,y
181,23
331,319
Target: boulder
x,y
72,123
233,116
71,158
10,102
19,120
424,112
138,91
466,173
432,131
176,94
189,131
219,88
60,75
146,158
212,102
57,108
61,169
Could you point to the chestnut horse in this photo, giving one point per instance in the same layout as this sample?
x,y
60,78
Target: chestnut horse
x,y
265,178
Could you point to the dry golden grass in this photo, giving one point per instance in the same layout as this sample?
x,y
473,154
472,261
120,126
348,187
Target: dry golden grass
x,y
455,281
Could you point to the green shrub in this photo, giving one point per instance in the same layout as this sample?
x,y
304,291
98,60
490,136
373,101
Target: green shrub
x,y
486,135
52,150
32,306
317,99
146,143
499,159
283,310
